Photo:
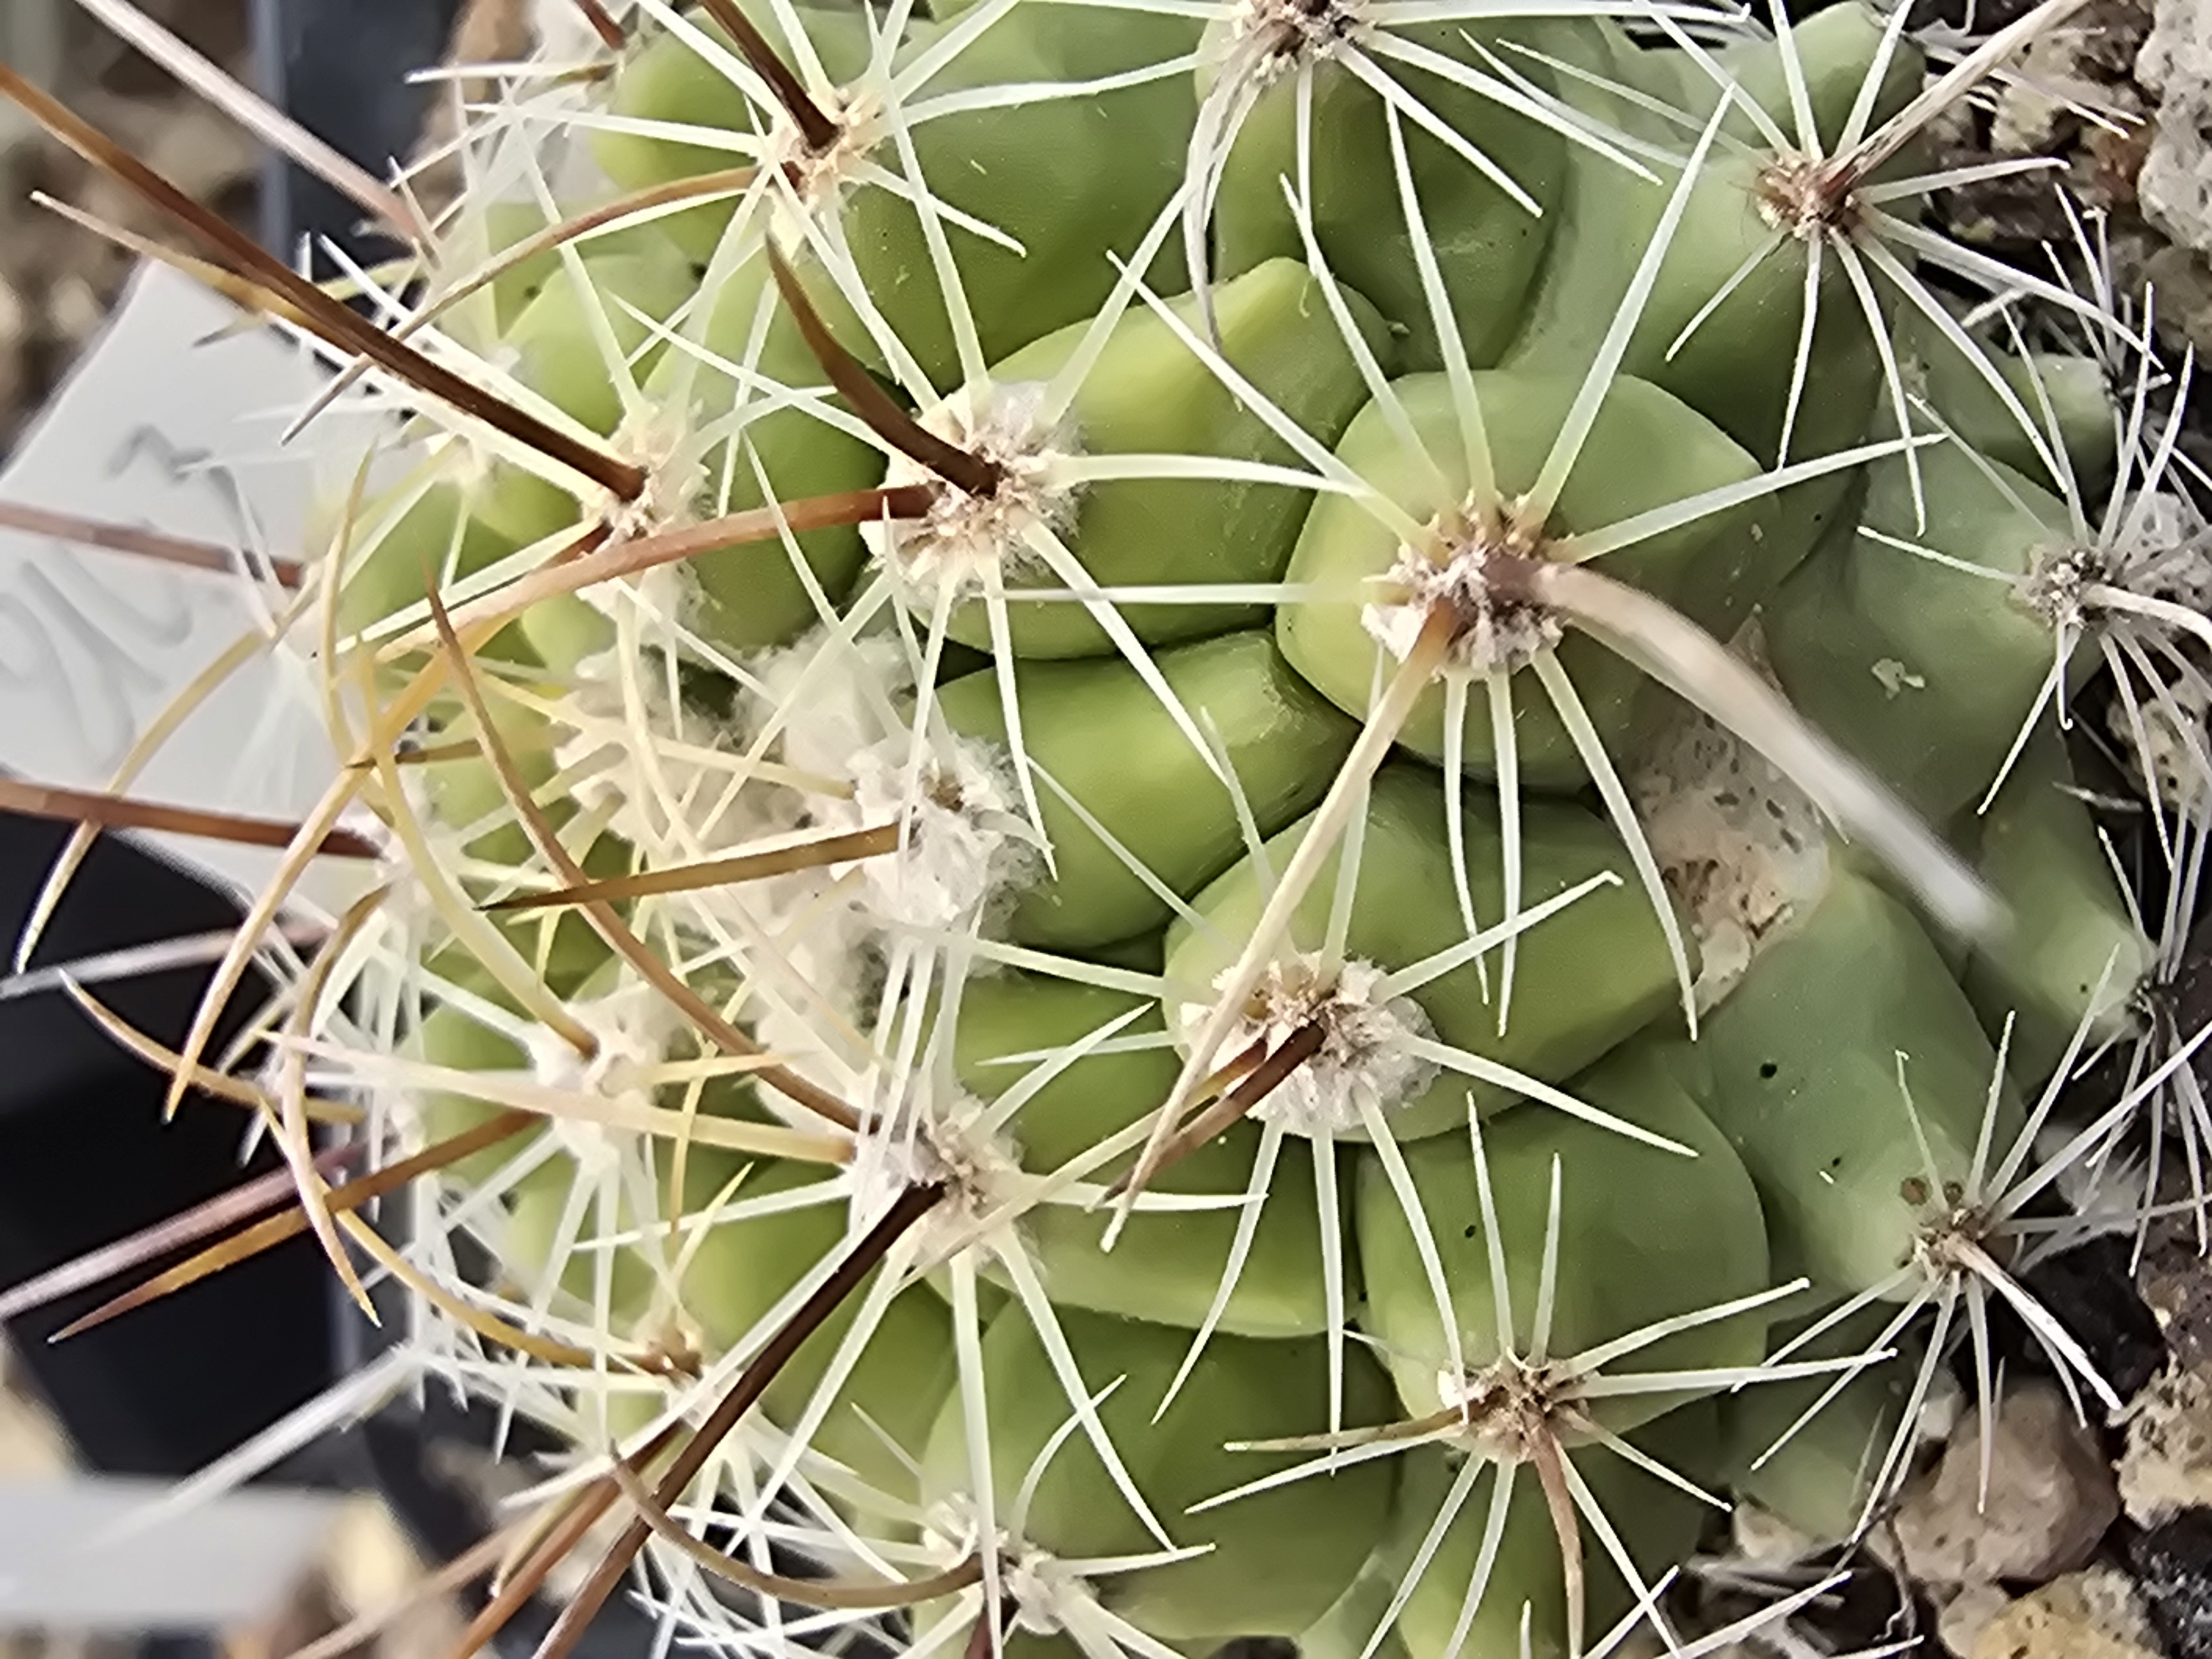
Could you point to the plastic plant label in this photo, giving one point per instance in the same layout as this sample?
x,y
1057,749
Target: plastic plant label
x,y
170,423
69,1565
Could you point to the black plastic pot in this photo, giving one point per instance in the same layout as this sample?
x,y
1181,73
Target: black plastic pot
x,y
85,1157
341,68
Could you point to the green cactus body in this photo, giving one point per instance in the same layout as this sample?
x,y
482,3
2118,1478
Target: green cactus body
x,y
1063,178
2073,932
556,351
740,1272
669,83
1837,48
734,1274
464,793
461,527
1149,394
1737,366
506,225
1488,247
1279,1559
1657,1523
752,595
545,1219
1645,1233
1656,451
556,343
1737,375
550,1206
1960,394
1587,977
1526,1572
564,949
1064,1059
565,633
449,1038
1742,387
1925,670
1803,1059
1099,732
1167,1265
1819,1477
1345,1630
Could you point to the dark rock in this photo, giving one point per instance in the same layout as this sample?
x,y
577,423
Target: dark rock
x,y
2172,1567
2092,1293
1957,13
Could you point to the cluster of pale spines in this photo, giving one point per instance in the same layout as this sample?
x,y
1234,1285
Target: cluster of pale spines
x,y
829,876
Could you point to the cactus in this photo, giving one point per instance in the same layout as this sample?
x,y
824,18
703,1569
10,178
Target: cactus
x,y
985,614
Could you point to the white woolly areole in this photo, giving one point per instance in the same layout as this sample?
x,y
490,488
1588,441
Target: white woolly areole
x,y
819,688
2053,586
815,181
963,537
604,789
665,443
1742,850
633,784
632,1026
1363,1063
1801,196
2166,554
967,852
1266,40
829,695
1508,1405
948,1141
665,592
1492,634
831,958
1457,1390
2162,550
1040,1590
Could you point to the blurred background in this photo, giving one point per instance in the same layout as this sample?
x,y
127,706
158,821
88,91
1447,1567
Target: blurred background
x,y
83,1156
